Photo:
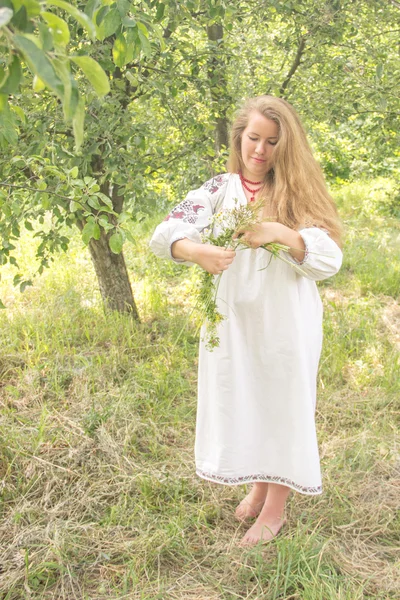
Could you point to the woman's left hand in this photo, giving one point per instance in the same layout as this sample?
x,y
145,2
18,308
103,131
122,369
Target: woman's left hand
x,y
260,234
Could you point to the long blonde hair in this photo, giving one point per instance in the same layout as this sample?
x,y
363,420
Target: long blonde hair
x,y
295,185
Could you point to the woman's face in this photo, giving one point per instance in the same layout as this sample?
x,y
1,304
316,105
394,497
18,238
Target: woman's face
x,y
257,146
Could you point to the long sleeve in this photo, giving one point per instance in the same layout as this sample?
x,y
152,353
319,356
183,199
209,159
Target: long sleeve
x,y
189,218
323,256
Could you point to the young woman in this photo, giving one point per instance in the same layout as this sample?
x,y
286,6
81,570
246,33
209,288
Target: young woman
x,y
257,390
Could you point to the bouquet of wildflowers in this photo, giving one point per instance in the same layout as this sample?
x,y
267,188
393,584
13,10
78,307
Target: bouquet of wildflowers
x,y
226,223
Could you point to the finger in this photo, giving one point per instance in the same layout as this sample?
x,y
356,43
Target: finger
x,y
227,254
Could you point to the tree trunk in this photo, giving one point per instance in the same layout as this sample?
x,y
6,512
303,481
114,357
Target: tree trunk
x,y
111,271
113,278
217,78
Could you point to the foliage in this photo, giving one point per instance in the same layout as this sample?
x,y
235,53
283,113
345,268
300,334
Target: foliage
x,y
38,39
175,72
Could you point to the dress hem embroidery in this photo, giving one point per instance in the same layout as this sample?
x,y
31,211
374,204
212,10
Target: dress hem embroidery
x,y
259,477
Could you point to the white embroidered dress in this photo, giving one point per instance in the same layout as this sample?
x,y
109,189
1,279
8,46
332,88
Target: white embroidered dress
x,y
257,390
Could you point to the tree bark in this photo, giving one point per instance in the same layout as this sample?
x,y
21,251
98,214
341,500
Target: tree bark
x,y
113,278
217,77
296,63
111,271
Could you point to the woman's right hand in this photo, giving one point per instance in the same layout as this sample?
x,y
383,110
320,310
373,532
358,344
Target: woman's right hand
x,y
213,259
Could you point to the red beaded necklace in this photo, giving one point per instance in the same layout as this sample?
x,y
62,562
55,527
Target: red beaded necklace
x,y
252,192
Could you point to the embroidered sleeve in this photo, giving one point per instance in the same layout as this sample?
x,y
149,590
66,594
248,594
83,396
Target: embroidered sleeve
x,y
323,257
214,184
188,211
190,217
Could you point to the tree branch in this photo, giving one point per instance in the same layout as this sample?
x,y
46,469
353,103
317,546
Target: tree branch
x,y
295,65
30,189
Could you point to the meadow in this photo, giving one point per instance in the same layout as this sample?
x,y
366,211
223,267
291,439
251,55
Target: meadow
x,y
99,499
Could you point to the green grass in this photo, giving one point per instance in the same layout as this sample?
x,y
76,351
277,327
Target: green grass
x,y
99,497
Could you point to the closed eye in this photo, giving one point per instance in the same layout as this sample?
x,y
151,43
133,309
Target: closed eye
x,y
254,139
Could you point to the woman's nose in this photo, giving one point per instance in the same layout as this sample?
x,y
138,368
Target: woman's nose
x,y
260,147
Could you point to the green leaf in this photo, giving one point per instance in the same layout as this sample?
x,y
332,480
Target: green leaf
x,y
94,202
107,209
105,199
130,237
91,7
59,28
96,231
87,231
46,37
100,15
39,64
38,85
94,73
35,39
74,172
77,14
1,305
74,206
142,27
20,19
123,217
128,22
160,12
71,94
8,133
41,185
24,285
123,7
77,123
103,222
145,44
119,50
6,15
18,110
12,82
116,242
32,7
110,24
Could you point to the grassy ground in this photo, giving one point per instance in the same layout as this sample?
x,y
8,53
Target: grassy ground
x,y
99,497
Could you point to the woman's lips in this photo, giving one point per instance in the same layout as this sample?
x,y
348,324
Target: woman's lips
x,y
259,160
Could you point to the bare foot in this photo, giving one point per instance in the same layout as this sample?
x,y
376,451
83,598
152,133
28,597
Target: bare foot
x,y
250,507
262,531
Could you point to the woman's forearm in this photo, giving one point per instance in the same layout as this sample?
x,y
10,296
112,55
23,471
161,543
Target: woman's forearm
x,y
292,238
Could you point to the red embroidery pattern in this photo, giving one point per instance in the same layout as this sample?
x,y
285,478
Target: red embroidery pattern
x,y
260,477
306,253
215,183
187,210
